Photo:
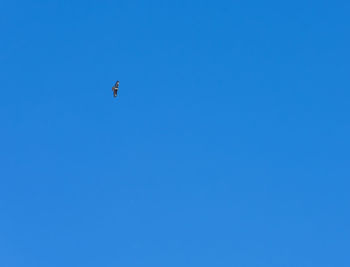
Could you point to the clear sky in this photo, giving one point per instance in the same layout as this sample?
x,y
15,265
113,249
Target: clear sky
x,y
228,144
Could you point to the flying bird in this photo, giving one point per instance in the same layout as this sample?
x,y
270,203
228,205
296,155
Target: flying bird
x,y
115,89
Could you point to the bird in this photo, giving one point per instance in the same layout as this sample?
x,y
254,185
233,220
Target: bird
x,y
115,89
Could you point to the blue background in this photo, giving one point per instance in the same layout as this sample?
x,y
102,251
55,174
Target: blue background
x,y
228,144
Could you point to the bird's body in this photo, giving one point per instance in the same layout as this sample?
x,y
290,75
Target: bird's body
x,y
115,89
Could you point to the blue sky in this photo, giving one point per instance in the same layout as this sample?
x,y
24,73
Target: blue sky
x,y
228,144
